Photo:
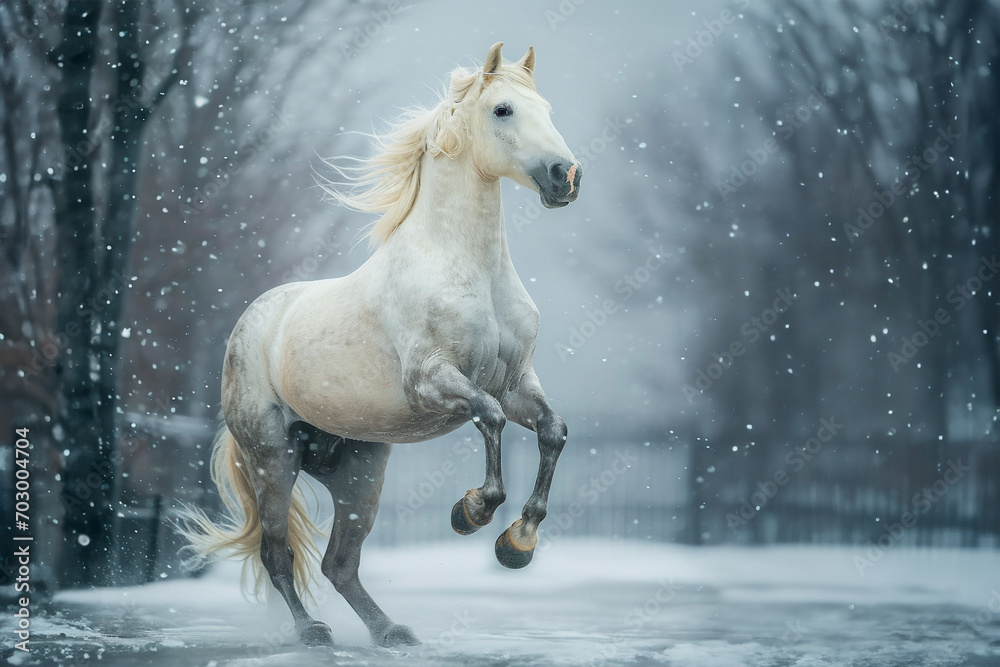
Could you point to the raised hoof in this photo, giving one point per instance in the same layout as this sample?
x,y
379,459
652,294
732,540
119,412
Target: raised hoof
x,y
460,520
397,635
509,555
317,634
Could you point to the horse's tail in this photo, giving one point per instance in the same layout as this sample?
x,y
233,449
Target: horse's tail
x,y
239,534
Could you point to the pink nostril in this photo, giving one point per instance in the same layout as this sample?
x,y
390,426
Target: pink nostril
x,y
570,176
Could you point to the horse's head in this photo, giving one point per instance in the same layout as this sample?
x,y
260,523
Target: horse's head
x,y
512,133
494,116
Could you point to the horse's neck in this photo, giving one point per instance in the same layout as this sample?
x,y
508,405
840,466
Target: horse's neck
x,y
460,212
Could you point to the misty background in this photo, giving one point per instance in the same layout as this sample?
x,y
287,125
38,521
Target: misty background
x,y
771,316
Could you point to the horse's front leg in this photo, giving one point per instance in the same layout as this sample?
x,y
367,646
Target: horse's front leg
x,y
528,407
445,390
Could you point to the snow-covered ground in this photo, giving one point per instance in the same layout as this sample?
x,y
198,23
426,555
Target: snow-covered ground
x,y
578,603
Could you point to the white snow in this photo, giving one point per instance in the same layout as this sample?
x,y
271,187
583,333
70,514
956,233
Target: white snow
x,y
579,602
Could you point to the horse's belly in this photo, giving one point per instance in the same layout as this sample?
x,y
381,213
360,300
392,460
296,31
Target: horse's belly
x,y
352,387
373,410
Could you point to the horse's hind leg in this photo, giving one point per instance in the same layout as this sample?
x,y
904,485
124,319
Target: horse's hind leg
x,y
273,467
353,471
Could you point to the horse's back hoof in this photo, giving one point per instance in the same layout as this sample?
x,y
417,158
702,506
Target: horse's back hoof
x,y
397,635
460,520
509,555
317,634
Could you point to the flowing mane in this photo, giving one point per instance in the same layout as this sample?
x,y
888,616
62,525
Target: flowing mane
x,y
389,181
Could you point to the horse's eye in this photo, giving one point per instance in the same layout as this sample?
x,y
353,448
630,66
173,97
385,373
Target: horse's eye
x,y
502,110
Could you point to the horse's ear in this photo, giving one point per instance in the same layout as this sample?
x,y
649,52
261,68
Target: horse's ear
x,y
528,61
493,59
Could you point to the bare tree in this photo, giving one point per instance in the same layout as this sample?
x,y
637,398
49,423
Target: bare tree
x,y
87,87
874,86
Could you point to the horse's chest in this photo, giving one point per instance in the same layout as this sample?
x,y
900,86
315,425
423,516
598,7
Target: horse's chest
x,y
504,350
485,325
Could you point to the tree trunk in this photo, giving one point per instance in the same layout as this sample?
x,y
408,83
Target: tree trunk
x,y
89,468
119,223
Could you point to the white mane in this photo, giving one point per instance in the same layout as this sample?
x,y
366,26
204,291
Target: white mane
x,y
389,181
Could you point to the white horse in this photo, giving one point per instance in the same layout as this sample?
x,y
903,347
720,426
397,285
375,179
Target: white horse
x,y
433,330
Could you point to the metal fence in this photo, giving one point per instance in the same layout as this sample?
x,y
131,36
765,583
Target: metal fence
x,y
627,490
917,494
935,493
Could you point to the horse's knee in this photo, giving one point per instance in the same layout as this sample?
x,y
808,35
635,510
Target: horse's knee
x,y
274,552
552,432
273,538
330,571
488,416
339,572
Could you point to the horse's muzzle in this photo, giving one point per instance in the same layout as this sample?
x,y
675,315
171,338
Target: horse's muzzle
x,y
558,182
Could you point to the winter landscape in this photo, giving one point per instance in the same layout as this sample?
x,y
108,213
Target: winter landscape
x,y
585,603
768,315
